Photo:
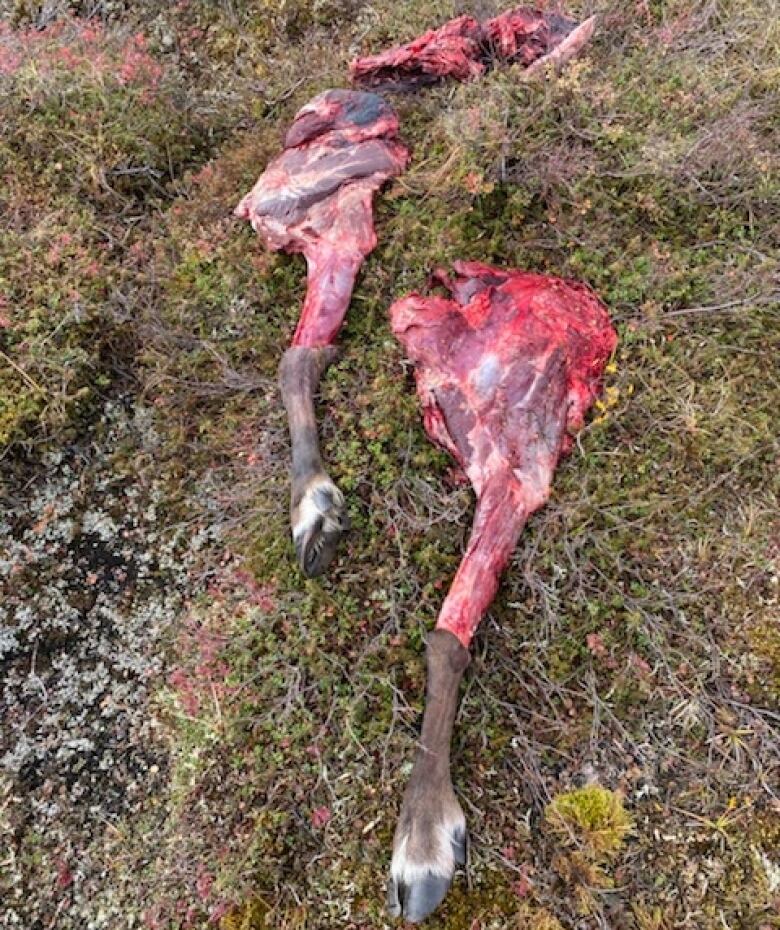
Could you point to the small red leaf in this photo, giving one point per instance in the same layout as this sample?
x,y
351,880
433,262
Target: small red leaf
x,y
320,816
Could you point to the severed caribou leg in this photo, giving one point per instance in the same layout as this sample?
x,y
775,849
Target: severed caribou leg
x,y
316,198
317,508
506,371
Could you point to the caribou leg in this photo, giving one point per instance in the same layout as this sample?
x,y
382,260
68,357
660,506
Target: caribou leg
x,y
430,839
317,510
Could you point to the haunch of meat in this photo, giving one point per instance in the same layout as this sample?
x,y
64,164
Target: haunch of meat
x,y
316,197
464,49
506,371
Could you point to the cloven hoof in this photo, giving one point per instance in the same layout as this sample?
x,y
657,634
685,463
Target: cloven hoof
x,y
318,523
429,845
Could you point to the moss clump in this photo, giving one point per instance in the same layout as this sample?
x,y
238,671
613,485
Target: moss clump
x,y
591,823
592,818
533,918
251,915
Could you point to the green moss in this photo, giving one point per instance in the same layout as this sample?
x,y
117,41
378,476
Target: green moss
x,y
591,818
249,916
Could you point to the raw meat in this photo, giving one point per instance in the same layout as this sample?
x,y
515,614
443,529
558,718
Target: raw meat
x,y
316,198
464,49
454,50
506,372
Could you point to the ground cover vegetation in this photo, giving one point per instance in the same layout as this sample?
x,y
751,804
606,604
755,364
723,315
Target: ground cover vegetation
x,y
192,735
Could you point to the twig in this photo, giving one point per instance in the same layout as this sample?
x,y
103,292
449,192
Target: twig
x,y
31,381
729,305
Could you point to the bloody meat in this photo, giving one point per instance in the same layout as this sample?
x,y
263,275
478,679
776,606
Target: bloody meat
x,y
464,49
316,198
506,371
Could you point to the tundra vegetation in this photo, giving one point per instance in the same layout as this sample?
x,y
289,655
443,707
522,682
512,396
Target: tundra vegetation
x,y
192,734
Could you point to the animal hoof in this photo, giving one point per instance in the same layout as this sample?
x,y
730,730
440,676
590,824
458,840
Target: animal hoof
x,y
319,522
420,881
418,899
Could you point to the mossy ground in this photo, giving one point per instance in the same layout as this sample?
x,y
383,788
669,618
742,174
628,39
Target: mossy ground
x,y
632,643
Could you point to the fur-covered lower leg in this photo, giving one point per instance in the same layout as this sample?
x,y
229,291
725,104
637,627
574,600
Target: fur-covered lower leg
x,y
317,510
430,839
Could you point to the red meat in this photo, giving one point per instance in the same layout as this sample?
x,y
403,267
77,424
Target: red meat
x,y
506,372
316,198
453,50
465,48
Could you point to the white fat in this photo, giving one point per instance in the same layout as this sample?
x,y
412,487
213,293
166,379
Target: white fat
x,y
313,507
406,870
487,376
